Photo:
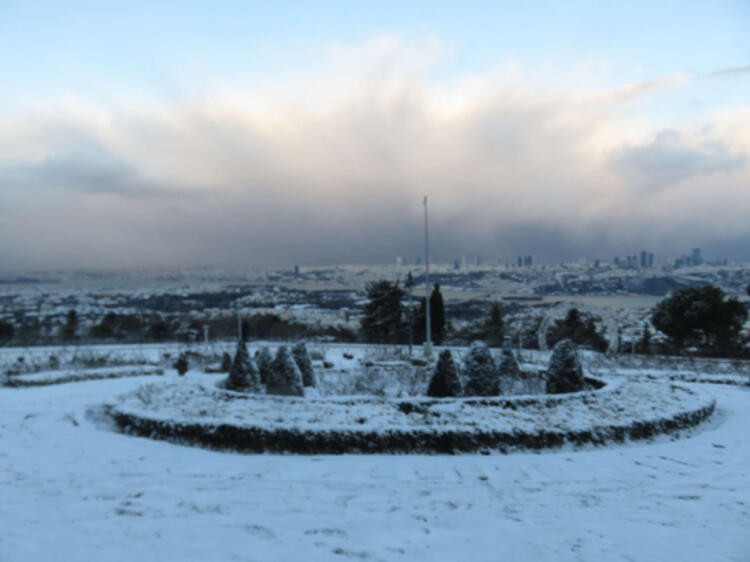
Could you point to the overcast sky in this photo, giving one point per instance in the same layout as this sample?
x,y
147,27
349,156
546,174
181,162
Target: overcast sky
x,y
271,133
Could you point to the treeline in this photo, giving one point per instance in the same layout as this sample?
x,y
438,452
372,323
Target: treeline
x,y
144,328
693,320
392,318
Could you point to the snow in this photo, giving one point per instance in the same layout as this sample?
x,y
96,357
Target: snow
x,y
72,490
56,377
618,405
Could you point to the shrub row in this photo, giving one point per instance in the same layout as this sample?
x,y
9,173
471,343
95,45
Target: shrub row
x,y
446,440
19,381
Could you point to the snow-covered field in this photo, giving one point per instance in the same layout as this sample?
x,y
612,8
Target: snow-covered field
x,y
73,491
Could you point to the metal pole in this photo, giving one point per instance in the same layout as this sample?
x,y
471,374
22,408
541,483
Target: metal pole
x,y
409,285
428,332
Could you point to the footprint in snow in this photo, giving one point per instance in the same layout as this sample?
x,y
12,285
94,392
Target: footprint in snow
x,y
327,532
260,531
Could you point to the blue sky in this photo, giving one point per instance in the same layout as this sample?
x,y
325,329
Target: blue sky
x,y
101,49
545,109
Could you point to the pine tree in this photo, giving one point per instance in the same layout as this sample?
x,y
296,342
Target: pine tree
x,y
263,360
565,373
383,322
445,381
243,375
285,378
494,326
302,359
437,315
481,373
701,316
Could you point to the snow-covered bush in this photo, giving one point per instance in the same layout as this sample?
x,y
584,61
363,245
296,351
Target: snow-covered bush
x,y
181,365
263,360
509,372
480,371
243,375
302,359
226,362
285,378
445,381
564,373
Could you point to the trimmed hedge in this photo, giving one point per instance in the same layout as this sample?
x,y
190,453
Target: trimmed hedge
x,y
402,440
306,441
18,381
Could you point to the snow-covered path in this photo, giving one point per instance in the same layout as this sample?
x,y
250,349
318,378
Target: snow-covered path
x,y
72,491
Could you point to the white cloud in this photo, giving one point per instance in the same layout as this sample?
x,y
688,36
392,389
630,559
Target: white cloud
x,y
331,164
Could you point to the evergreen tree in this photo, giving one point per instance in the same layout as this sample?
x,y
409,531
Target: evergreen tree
x,y
645,343
578,327
383,318
409,285
701,316
508,365
445,381
7,331
481,374
71,325
263,360
243,375
494,326
508,370
437,315
181,364
565,373
226,362
302,359
285,378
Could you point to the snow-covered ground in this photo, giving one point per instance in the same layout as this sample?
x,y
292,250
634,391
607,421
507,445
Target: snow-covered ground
x,y
70,490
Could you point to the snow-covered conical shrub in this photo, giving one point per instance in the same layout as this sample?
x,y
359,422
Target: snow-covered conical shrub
x,y
480,371
508,370
285,378
445,381
263,360
243,375
303,361
564,373
226,362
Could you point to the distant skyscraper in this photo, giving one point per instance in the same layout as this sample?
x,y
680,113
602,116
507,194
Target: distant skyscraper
x,y
650,259
644,259
696,256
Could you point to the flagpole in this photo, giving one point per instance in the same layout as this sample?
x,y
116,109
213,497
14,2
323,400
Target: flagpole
x,y
428,331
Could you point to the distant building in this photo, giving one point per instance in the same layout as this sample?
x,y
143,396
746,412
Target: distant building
x,y
696,257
